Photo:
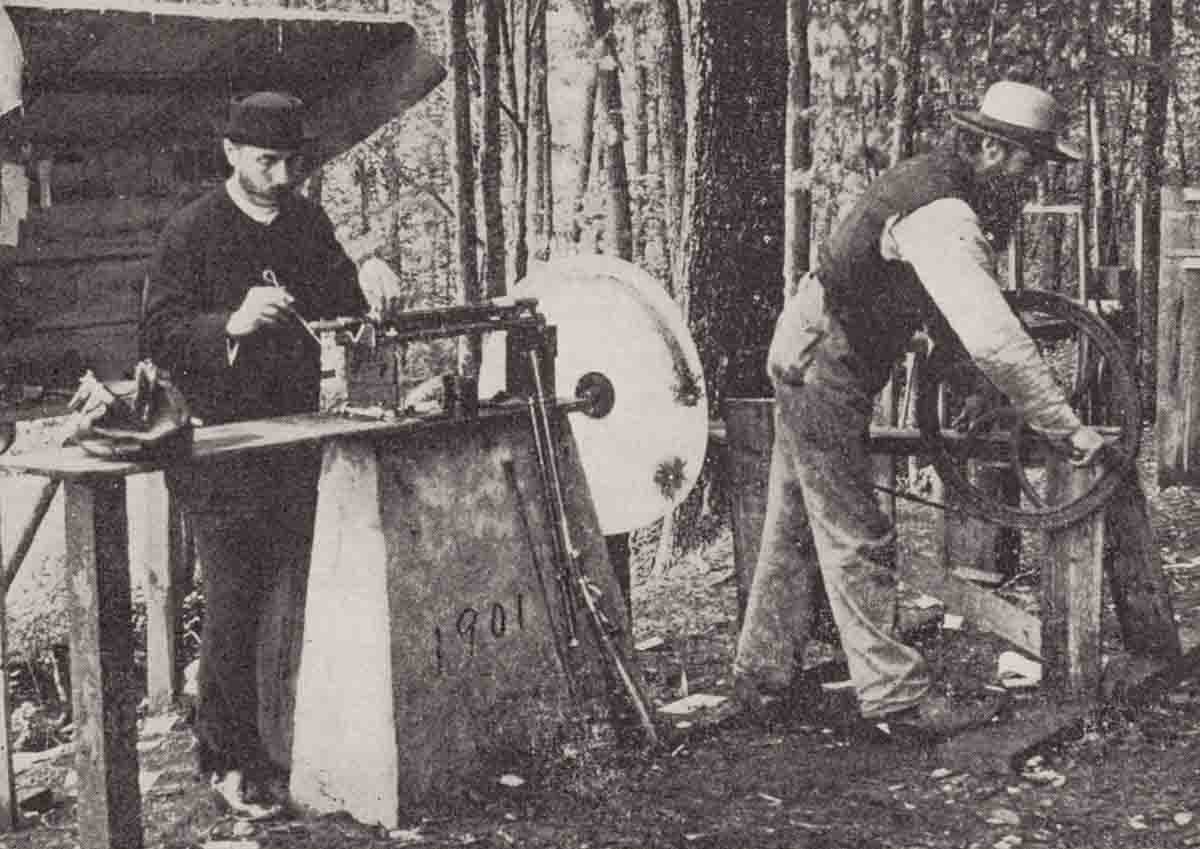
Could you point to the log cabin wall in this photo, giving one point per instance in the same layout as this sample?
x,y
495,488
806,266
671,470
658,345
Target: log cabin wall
x,y
80,264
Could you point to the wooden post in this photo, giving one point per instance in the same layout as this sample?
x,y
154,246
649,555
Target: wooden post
x,y
153,553
885,464
10,815
1178,343
1016,256
1117,282
1081,257
974,543
102,675
1071,588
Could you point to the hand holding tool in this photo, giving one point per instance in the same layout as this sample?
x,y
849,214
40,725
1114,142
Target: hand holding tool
x,y
271,279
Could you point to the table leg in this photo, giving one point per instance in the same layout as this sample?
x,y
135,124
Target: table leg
x,y
102,673
10,816
158,552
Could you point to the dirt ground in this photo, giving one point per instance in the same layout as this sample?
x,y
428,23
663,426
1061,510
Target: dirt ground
x,y
809,779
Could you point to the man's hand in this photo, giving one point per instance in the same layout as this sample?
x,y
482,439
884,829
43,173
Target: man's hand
x,y
979,405
1085,443
263,306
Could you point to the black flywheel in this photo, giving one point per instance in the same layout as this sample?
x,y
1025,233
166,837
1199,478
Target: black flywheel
x,y
1091,365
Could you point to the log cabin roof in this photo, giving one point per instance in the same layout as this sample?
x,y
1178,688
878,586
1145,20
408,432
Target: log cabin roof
x,y
99,76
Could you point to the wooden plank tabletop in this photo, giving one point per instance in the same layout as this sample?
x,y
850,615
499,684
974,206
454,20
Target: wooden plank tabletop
x,y
72,462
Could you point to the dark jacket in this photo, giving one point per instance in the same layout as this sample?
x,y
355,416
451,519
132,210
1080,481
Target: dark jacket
x,y
209,255
881,303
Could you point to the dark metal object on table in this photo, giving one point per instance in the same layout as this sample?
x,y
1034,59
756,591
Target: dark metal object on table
x,y
498,314
376,350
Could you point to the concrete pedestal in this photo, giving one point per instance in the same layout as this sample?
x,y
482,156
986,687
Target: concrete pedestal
x,y
434,637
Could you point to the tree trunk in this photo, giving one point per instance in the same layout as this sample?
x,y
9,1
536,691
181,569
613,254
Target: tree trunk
x,y
673,125
548,166
587,137
620,219
1181,134
490,178
1157,98
798,152
732,243
1051,233
1103,246
517,150
538,142
464,172
641,157
659,223
912,38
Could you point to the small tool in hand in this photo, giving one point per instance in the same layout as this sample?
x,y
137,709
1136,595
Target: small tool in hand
x,y
270,279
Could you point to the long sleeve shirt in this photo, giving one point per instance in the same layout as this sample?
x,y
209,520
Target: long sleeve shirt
x,y
945,245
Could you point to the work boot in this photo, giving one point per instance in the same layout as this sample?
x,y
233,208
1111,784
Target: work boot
x,y
940,717
755,698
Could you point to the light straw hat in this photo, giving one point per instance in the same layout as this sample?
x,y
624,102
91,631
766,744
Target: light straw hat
x,y
1024,115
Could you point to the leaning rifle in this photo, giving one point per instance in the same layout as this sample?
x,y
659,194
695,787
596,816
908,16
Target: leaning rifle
x,y
567,560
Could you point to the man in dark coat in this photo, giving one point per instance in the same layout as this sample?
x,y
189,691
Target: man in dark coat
x,y
236,274
913,249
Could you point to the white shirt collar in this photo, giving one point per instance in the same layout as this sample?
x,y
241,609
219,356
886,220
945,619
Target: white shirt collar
x,y
253,210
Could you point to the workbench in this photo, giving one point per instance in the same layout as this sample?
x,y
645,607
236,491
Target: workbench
x,y
104,691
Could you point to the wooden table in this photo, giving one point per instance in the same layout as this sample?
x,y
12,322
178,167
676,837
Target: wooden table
x,y
104,692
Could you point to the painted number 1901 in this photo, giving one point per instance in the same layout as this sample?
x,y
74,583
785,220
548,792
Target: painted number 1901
x,y
474,625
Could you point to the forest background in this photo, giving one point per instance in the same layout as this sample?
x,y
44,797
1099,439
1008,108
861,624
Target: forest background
x,y
717,142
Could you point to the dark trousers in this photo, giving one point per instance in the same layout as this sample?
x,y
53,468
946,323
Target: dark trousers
x,y
248,541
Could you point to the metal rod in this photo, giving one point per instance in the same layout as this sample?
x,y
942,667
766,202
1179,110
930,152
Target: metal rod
x,y
28,532
559,653
600,622
566,594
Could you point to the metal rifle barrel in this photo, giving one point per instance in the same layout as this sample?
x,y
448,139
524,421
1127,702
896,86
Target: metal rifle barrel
x,y
560,507
636,698
561,554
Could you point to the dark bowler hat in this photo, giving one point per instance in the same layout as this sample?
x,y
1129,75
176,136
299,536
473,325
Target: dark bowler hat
x,y
1024,115
270,119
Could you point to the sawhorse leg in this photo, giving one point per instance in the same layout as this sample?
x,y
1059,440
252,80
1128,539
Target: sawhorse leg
x,y
10,815
1118,543
103,685
1071,590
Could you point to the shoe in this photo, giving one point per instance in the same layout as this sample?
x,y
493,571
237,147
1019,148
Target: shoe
x,y
757,703
755,698
269,787
939,717
234,794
